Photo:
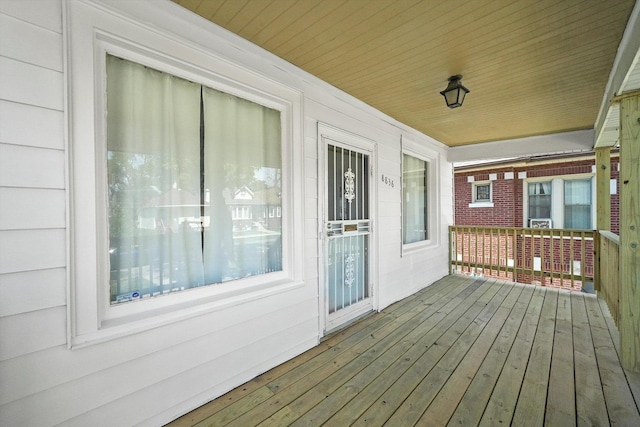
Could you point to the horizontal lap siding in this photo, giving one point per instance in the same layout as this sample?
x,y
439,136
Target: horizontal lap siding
x,y
158,374
32,183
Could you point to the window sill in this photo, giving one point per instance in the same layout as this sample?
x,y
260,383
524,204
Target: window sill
x,y
411,248
119,328
481,205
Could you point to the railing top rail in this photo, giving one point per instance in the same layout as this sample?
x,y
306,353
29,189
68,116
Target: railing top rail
x,y
610,236
528,230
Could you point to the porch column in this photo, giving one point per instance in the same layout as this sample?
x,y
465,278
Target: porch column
x,y
603,206
630,230
603,192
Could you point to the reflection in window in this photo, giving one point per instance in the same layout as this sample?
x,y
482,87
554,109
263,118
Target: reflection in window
x,y
192,173
414,199
539,199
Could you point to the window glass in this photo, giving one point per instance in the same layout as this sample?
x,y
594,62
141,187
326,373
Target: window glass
x,y
414,199
540,199
577,204
483,193
192,173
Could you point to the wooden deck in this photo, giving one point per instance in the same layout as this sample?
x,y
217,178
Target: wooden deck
x,y
461,352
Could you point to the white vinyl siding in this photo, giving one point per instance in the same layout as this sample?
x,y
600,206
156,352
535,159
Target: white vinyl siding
x,y
152,376
32,200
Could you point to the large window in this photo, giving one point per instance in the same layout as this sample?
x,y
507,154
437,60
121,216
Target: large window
x,y
415,218
178,154
560,202
187,167
577,204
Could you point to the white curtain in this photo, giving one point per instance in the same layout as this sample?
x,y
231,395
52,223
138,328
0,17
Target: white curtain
x,y
577,204
153,151
540,199
414,201
180,158
241,145
540,188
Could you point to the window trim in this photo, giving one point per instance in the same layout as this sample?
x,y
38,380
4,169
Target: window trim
x,y
475,203
91,32
591,201
432,158
557,197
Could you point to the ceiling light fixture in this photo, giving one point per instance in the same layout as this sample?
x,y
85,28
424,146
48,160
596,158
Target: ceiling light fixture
x,y
455,92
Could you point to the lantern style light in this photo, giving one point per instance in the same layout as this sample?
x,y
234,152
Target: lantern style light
x,y
455,92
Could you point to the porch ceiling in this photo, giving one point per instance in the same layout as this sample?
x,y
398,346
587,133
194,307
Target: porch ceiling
x,y
534,67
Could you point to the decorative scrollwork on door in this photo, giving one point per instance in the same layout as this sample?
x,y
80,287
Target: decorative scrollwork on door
x,y
349,270
349,185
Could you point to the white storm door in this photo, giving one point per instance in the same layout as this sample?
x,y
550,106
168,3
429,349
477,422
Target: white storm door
x,y
348,234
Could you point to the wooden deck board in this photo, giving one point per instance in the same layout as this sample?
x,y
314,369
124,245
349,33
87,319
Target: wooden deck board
x,y
471,406
624,412
440,340
461,352
590,405
503,400
532,399
445,402
561,400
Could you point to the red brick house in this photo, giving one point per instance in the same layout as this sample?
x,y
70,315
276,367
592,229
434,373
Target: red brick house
x,y
558,189
555,191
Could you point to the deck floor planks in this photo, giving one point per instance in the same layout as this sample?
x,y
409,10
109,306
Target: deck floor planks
x,y
621,407
446,400
242,399
561,403
234,398
470,408
354,408
503,400
332,369
590,405
434,324
440,340
413,407
474,349
533,393
633,378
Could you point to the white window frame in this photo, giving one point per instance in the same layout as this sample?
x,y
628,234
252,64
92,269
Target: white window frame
x,y
92,31
412,148
475,203
557,197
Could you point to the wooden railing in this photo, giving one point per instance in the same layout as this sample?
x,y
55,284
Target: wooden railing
x,y
551,257
609,289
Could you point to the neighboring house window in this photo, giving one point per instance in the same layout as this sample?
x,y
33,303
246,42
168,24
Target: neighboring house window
x,y
577,204
561,202
176,150
482,192
539,200
415,218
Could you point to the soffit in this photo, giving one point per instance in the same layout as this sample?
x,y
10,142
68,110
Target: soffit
x,y
534,67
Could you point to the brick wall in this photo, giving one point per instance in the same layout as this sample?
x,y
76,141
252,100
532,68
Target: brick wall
x,y
508,192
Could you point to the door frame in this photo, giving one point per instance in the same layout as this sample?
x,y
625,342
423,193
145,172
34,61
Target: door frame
x,y
330,135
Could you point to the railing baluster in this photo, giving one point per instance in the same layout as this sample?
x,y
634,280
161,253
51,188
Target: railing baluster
x,y
562,232
510,253
571,255
583,252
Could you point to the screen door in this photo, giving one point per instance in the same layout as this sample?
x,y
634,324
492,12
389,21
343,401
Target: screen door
x,y
348,228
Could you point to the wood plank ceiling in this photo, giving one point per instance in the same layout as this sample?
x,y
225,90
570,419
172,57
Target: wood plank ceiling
x,y
533,66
